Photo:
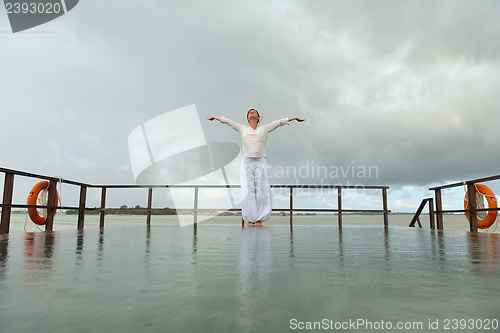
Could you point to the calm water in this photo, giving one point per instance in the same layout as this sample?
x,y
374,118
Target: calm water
x,y
69,222
233,279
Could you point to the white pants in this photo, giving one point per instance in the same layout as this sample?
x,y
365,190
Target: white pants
x,y
255,190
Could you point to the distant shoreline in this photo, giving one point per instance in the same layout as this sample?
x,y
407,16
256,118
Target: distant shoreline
x,y
133,211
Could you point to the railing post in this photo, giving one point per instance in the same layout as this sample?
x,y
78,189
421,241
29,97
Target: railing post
x,y
103,206
471,197
384,200
339,205
439,209
195,206
150,202
81,209
51,201
431,212
8,189
291,206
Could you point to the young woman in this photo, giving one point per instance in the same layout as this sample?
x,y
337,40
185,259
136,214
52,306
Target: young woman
x,y
255,189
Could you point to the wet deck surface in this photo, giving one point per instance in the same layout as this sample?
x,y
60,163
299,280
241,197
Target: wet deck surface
x,y
229,279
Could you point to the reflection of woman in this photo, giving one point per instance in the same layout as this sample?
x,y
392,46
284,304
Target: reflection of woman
x,y
256,264
256,192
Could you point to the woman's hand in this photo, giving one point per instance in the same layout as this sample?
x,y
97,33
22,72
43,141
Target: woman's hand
x,y
296,118
212,118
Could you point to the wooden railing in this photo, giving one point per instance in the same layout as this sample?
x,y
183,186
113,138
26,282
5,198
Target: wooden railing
x,y
471,197
7,204
416,217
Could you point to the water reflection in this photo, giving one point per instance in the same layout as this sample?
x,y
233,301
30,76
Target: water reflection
x,y
484,253
440,245
79,248
148,245
279,274
255,269
79,253
437,248
38,250
387,245
387,249
195,245
100,247
341,246
4,255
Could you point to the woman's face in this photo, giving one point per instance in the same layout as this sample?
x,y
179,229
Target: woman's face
x,y
253,113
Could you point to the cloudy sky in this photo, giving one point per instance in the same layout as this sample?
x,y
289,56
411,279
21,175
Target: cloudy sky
x,y
408,88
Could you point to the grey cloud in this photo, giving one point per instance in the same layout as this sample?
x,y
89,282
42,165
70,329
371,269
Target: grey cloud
x,y
408,86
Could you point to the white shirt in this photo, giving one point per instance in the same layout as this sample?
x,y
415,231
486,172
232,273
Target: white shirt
x,y
254,140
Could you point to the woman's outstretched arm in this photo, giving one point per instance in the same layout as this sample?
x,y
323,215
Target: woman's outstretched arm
x,y
237,127
278,123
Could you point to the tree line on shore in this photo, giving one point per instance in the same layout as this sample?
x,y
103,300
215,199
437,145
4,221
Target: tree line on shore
x,y
138,210
124,210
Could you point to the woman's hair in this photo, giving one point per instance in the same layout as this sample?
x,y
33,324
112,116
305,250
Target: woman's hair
x,y
257,114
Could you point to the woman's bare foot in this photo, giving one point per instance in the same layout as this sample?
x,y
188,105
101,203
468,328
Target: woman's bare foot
x,y
258,224
250,224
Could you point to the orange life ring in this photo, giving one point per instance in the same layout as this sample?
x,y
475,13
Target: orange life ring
x,y
492,203
32,198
